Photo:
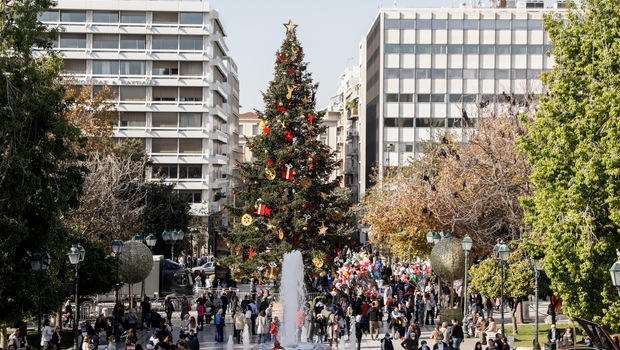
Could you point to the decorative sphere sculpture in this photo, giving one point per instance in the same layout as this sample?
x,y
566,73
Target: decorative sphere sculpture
x,y
136,262
448,259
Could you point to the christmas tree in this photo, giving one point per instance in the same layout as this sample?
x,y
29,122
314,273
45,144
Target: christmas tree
x,y
291,200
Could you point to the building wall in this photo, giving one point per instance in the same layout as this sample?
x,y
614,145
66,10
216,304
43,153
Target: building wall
x,y
177,89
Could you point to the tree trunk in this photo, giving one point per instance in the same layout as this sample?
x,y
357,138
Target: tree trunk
x,y
142,292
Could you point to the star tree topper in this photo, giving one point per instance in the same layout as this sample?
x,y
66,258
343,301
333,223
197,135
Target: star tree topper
x,y
290,26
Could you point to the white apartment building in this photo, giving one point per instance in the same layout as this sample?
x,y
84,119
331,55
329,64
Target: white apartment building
x,y
344,108
177,89
424,70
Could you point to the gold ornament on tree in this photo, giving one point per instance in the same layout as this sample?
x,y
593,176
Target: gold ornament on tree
x,y
306,182
290,92
322,229
246,219
270,174
337,215
281,233
317,261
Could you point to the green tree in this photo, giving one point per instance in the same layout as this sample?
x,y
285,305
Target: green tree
x,y
39,177
574,149
290,200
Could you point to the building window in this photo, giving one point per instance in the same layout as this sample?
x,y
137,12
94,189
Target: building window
x,y
519,49
439,48
73,16
407,24
391,23
105,41
190,171
422,122
424,23
406,73
190,17
218,99
191,94
105,67
48,16
133,68
455,73
471,24
133,119
533,73
192,43
534,24
502,24
391,97
165,17
470,49
424,98
164,120
487,74
438,122
391,48
470,74
455,49
165,171
390,73
191,197
165,42
487,49
423,48
502,74
165,68
439,24
105,16
398,123
502,49
455,24
72,41
519,24
165,93
438,98
519,74
407,48
453,98
190,120
135,42
422,73
133,93
74,66
406,98
162,145
454,122
535,50
190,146
191,68
114,91
487,24
133,17
438,73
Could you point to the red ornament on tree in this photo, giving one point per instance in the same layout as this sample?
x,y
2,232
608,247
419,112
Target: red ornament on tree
x,y
287,173
237,165
282,56
270,161
310,118
290,150
288,136
290,70
266,130
262,210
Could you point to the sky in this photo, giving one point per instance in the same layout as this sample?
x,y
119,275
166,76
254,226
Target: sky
x,y
330,32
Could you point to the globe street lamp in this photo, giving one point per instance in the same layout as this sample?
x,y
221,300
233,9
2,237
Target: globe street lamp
x,y
117,249
151,240
172,238
76,256
40,261
501,253
537,266
467,243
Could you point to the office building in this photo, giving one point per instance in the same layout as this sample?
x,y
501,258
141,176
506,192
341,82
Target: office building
x,y
177,89
426,70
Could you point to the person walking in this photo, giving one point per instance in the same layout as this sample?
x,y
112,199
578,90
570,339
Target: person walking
x,y
436,335
192,341
358,331
374,315
200,310
219,326
430,311
46,335
238,324
56,338
145,309
185,307
386,342
457,334
169,309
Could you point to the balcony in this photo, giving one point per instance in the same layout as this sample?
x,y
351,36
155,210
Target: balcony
x,y
352,133
352,113
351,151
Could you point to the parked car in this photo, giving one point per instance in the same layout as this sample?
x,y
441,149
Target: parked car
x,y
208,268
599,339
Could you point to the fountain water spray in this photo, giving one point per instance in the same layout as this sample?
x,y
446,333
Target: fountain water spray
x,y
292,294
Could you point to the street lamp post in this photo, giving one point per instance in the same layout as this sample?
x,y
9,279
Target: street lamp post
x,y
467,243
117,248
501,253
537,265
151,240
76,256
615,272
40,262
172,238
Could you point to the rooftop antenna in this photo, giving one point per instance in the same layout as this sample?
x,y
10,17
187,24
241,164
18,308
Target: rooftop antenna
x,y
453,3
395,5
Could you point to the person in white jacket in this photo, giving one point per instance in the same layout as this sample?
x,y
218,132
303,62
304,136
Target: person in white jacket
x,y
46,336
262,328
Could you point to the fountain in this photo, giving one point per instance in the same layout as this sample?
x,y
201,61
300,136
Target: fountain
x,y
230,345
292,299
